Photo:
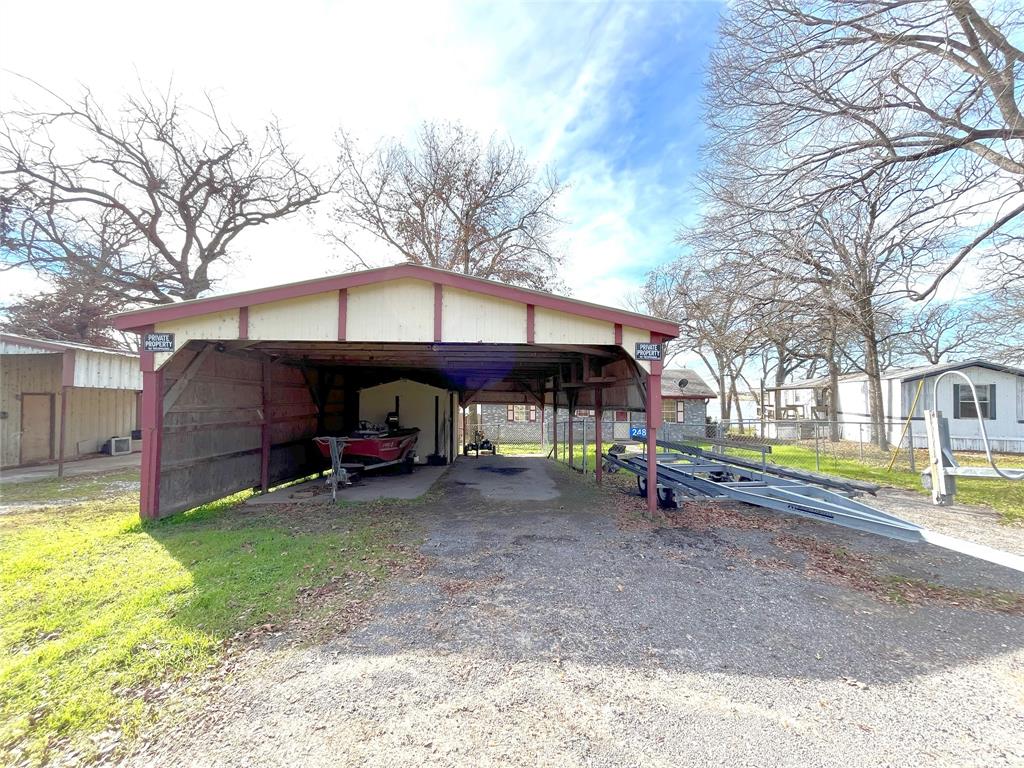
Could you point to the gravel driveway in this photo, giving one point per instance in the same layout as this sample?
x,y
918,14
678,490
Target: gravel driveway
x,y
570,630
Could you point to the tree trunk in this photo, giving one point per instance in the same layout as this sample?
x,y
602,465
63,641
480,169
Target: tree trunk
x,y
833,394
735,397
723,396
876,405
780,379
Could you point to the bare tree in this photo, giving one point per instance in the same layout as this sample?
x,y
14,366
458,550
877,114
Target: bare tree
x,y
852,251
1003,320
822,96
940,331
716,319
149,196
448,201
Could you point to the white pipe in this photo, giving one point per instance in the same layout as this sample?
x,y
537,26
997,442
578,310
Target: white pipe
x,y
1006,475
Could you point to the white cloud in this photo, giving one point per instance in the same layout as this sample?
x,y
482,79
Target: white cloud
x,y
538,74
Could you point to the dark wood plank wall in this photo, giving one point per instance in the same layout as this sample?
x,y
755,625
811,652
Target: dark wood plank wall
x,y
212,433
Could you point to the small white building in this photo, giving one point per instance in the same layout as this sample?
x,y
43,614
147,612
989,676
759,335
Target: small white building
x,y
60,400
1000,390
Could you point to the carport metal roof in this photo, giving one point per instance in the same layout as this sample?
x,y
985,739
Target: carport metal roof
x,y
488,341
136,320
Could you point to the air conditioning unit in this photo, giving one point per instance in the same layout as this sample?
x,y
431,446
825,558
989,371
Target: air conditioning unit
x,y
118,446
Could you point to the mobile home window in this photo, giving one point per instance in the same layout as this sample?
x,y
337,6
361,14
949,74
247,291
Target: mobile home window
x,y
963,401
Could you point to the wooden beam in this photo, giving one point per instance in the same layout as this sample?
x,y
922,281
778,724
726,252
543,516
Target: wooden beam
x,y
187,375
243,323
531,323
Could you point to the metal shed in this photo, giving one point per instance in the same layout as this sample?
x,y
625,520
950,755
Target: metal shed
x,y
250,378
60,400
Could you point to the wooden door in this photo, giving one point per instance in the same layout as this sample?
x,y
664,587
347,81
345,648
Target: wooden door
x,y
36,427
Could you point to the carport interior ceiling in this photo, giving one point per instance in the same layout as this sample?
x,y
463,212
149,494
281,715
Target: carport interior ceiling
x,y
498,373
255,376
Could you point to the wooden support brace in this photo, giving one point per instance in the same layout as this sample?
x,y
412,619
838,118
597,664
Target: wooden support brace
x,y
187,375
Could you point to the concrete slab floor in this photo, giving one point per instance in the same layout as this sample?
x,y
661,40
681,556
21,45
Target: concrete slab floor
x,y
506,478
71,468
370,488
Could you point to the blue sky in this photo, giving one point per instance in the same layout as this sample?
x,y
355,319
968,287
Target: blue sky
x,y
608,94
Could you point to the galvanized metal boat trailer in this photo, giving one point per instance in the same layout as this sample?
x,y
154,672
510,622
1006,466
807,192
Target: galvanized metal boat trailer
x,y
687,472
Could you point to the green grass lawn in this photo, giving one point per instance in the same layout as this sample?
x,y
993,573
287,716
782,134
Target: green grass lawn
x,y
97,608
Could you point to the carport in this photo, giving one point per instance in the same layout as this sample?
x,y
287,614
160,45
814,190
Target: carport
x,y
243,382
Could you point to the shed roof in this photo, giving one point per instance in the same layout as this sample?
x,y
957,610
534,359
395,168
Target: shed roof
x,y
694,389
14,344
138,319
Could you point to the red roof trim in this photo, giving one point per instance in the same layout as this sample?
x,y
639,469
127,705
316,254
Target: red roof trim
x,y
134,320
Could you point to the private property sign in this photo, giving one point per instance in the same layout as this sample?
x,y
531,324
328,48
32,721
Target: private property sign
x,y
647,351
158,342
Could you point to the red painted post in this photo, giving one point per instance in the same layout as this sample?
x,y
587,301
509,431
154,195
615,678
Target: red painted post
x,y
65,392
67,381
598,437
265,430
554,426
543,434
568,434
152,434
653,422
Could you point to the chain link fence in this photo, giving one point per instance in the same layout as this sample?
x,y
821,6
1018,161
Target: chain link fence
x,y
829,446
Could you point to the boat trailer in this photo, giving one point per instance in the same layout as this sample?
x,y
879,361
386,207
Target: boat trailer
x,y
687,472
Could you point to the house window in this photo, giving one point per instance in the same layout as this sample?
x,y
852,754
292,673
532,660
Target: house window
x,y
520,413
963,401
584,412
668,411
673,411
624,416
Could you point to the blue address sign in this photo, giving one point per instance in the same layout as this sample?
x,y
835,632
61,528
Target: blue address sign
x,y
638,433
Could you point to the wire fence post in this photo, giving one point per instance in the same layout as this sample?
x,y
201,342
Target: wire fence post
x,y
817,451
584,446
860,439
910,450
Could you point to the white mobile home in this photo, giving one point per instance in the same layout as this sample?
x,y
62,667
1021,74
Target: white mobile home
x,y
1000,391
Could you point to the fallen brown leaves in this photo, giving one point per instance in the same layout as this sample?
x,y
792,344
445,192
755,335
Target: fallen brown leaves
x,y
455,587
857,570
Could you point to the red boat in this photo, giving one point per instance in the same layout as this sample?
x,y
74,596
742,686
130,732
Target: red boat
x,y
371,446
375,446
